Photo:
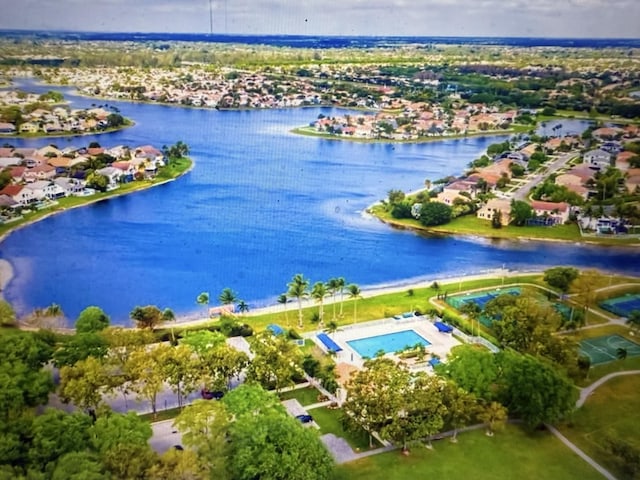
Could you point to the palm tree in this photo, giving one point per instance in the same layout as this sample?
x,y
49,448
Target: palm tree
x,y
331,327
169,316
332,287
282,300
621,353
341,283
298,288
227,297
243,307
203,299
318,293
354,294
634,319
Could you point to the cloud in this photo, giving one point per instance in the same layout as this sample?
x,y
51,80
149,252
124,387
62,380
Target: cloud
x,y
567,18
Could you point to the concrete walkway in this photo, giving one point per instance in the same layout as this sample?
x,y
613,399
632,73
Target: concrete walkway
x,y
585,392
605,473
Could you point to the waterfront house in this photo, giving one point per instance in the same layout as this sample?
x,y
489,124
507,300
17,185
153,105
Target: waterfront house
x,y
17,174
48,151
496,204
113,174
71,186
127,169
46,189
29,127
19,194
7,128
598,158
557,213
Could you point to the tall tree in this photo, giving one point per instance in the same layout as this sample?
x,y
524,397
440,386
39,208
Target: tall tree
x,y
205,429
276,361
92,319
83,383
494,415
461,407
257,446
472,369
180,369
228,297
340,286
298,289
79,347
203,299
145,369
282,300
561,277
332,289
218,366
520,212
318,293
354,294
148,317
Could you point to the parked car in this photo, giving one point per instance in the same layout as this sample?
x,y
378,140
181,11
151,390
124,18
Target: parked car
x,y
211,395
305,418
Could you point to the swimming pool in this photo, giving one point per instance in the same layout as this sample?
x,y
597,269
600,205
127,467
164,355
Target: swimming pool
x,y
388,343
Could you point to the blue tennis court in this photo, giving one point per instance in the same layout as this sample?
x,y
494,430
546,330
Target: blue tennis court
x,y
622,306
480,299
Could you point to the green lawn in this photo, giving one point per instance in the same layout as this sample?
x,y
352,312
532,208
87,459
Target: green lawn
x,y
306,396
471,225
512,453
612,409
329,422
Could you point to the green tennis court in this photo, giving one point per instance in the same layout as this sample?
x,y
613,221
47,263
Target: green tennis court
x,y
605,349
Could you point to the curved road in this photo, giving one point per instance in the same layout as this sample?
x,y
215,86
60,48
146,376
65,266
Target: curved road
x,y
585,392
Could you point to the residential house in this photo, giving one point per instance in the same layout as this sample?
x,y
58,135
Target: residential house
x,y
17,174
7,128
607,133
449,196
632,180
48,151
45,189
30,127
7,201
622,160
9,162
493,205
573,183
71,186
556,212
19,194
42,172
128,170
598,158
113,174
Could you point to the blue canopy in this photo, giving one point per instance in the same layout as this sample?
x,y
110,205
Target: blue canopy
x,y
434,361
443,327
329,343
275,329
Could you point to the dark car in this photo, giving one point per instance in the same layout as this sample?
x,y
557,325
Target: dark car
x,y
305,418
209,395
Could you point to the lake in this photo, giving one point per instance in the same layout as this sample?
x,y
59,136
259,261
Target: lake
x,y
261,205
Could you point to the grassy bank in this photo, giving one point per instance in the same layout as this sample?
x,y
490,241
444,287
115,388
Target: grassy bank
x,y
312,132
170,172
470,225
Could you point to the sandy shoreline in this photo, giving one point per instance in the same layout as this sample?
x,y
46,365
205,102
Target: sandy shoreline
x,y
6,274
367,292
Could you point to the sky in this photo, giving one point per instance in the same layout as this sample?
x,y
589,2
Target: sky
x,y
498,18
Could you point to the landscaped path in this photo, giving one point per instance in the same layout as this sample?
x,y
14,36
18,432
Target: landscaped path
x,y
605,473
585,392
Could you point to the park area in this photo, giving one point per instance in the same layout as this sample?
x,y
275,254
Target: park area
x,y
611,412
511,453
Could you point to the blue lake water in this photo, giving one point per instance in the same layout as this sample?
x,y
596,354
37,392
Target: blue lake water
x,y
260,205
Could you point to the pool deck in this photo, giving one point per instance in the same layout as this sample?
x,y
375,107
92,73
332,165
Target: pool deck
x,y
441,343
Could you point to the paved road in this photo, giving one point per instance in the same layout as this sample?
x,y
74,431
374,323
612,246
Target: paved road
x,y
523,192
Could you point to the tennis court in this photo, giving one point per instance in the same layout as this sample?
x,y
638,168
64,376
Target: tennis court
x,y
605,349
624,305
480,299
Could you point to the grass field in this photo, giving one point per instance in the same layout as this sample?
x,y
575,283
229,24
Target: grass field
x,y
612,409
329,422
306,396
512,453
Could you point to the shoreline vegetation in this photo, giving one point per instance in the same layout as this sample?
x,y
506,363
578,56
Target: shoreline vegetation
x,y
471,226
311,132
129,123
